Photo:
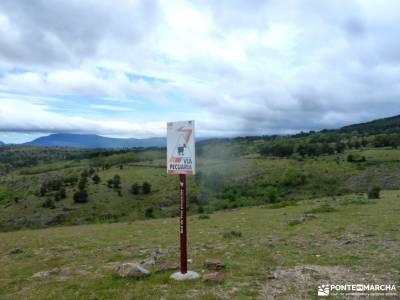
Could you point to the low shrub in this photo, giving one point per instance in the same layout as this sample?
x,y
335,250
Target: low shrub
x,y
232,234
325,208
374,192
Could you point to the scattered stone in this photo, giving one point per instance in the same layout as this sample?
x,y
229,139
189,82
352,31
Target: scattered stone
x,y
131,269
271,276
348,242
15,251
45,273
217,276
149,262
308,216
167,267
41,274
213,264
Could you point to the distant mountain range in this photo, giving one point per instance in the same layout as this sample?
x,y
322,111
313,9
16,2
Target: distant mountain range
x,y
385,125
94,141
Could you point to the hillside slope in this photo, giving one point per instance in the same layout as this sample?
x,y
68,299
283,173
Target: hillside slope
x,y
354,241
391,124
94,141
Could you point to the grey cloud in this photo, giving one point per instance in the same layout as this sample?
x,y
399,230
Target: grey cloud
x,y
343,65
68,32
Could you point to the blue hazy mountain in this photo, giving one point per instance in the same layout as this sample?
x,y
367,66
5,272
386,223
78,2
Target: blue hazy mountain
x,y
94,141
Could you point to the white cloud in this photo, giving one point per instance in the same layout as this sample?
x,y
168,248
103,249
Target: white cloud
x,y
246,67
110,107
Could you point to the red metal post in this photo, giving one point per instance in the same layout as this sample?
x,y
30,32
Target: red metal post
x,y
182,225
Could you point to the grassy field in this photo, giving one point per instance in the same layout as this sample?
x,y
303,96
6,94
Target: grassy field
x,y
350,240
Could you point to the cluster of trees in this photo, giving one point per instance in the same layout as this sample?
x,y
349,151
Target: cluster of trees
x,y
355,157
387,140
145,188
286,149
81,195
318,144
114,182
52,188
136,188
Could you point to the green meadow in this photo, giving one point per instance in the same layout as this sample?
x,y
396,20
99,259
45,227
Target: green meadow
x,y
356,241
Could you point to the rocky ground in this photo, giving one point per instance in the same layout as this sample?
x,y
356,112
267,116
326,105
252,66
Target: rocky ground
x,y
247,253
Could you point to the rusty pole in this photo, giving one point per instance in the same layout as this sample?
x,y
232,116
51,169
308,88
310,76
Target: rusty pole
x,y
182,225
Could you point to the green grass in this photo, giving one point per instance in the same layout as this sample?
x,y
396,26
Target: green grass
x,y
82,256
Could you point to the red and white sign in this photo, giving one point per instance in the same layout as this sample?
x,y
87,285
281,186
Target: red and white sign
x,y
180,148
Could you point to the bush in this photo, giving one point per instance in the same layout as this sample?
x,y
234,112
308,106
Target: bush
x,y
48,203
43,190
149,213
110,183
325,208
135,189
61,194
272,195
146,187
374,192
355,157
294,222
82,183
203,217
116,181
96,179
81,196
282,204
232,234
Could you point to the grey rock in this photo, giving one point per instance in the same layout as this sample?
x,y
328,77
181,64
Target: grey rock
x,y
217,276
41,274
151,261
167,267
214,264
15,251
131,269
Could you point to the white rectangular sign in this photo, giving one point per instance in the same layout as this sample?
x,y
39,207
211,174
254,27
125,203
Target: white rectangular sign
x,y
180,148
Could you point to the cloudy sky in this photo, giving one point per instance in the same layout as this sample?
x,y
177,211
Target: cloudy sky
x,y
124,68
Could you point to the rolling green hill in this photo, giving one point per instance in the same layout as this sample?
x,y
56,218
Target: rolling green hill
x,y
39,187
390,124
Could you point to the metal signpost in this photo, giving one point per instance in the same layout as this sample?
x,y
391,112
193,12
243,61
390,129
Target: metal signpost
x,y
181,161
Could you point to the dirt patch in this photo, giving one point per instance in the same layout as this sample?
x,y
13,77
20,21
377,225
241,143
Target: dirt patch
x,y
301,282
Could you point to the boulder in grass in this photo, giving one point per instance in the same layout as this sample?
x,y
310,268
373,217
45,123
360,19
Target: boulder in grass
x,y
15,251
217,276
131,269
167,267
213,264
41,274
